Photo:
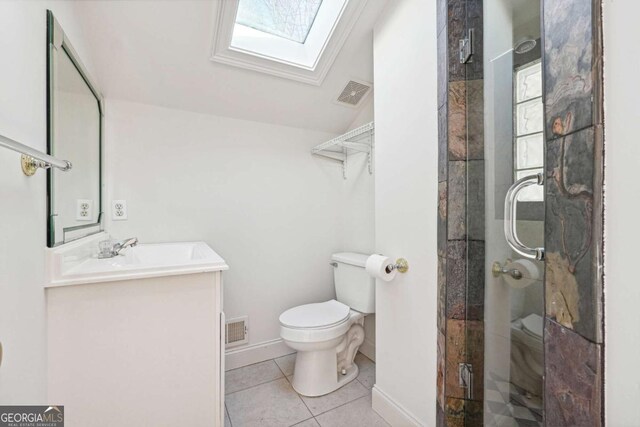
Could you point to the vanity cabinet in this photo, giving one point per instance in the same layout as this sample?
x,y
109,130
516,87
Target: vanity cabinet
x,y
146,351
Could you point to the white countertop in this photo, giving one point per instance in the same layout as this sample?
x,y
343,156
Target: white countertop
x,y
71,267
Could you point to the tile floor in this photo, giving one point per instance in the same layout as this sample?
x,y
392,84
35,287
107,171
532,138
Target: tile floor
x,y
508,406
261,395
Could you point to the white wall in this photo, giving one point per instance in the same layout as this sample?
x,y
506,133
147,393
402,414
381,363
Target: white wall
x,y
358,219
622,199
252,191
23,199
406,195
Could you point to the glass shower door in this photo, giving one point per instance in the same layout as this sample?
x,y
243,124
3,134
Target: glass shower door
x,y
505,214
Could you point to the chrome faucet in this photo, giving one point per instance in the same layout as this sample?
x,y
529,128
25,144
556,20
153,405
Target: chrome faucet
x,y
110,251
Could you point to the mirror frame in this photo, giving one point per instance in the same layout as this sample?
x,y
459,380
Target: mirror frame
x,y
57,39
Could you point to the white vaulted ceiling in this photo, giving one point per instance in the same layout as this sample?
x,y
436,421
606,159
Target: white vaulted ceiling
x,y
158,52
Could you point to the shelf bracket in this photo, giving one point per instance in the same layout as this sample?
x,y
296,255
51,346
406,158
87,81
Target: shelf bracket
x,y
359,140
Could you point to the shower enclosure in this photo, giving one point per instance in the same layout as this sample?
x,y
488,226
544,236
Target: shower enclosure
x,y
520,213
513,212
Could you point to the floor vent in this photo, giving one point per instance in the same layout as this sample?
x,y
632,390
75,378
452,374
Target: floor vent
x,y
237,331
354,92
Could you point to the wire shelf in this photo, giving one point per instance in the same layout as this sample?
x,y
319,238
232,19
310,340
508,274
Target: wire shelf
x,y
338,149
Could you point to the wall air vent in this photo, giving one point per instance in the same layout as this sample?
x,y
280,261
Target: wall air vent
x,y
354,92
237,331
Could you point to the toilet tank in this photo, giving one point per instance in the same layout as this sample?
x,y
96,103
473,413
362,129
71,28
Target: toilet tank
x,y
354,286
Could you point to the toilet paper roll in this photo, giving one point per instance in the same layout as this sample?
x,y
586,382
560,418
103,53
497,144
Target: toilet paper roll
x,y
379,267
530,273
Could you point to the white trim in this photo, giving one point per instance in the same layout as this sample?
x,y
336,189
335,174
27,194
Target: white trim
x,y
391,411
368,349
255,353
223,52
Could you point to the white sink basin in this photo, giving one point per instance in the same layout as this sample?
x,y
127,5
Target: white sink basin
x,y
143,260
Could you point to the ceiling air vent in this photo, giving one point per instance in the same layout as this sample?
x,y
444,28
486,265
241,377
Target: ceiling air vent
x,y
354,92
237,331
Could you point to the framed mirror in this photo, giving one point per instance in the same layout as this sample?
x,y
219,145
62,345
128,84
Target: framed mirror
x,y
74,132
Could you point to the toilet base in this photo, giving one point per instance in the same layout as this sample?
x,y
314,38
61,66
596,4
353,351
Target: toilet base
x,y
315,373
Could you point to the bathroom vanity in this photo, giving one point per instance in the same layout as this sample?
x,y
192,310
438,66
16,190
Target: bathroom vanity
x,y
137,339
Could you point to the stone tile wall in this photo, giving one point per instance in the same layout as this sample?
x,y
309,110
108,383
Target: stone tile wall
x,y
572,58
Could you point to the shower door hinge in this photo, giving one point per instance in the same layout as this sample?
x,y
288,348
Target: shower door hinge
x,y
465,379
466,47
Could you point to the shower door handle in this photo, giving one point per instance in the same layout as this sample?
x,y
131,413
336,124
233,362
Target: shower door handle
x,y
510,220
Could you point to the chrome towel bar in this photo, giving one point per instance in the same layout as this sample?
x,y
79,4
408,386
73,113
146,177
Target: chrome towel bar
x,y
32,158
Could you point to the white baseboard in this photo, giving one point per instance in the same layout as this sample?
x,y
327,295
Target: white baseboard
x,y
393,413
255,353
368,349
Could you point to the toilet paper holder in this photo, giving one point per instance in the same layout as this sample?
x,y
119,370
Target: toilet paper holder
x,y
497,269
401,265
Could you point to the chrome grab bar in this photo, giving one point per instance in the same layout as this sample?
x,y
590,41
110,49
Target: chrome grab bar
x,y
510,220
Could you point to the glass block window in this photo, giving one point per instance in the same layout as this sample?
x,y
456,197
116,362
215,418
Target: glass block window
x,y
528,128
290,19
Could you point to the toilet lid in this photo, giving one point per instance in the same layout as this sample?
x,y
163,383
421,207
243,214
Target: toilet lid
x,y
320,315
532,324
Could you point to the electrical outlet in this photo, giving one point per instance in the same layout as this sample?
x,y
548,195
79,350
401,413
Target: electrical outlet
x,y
84,210
119,210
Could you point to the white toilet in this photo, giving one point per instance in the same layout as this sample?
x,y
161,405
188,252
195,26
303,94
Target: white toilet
x,y
327,335
527,353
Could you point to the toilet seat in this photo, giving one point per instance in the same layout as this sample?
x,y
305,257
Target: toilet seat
x,y
315,316
532,325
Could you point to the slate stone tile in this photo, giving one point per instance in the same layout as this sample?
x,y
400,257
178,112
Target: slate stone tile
x,y
455,354
466,120
443,75
442,293
442,219
456,279
474,413
474,68
475,280
475,199
457,120
454,412
441,367
572,296
439,416
475,119
567,63
455,31
456,201
475,355
573,372
443,153
463,413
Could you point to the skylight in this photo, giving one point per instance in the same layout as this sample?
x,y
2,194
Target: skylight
x,y
295,39
290,19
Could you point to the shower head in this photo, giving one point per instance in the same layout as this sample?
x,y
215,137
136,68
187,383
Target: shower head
x,y
524,45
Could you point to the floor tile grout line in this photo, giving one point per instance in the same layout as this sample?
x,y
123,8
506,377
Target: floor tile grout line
x,y
257,363
340,406
328,410
297,394
314,416
253,386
